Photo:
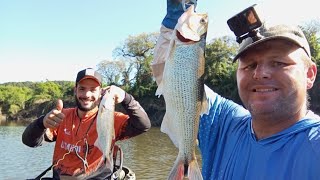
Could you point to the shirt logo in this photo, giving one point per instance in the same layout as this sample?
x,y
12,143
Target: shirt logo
x,y
66,131
70,147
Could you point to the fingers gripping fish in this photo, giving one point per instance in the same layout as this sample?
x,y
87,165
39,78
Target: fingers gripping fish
x,y
183,90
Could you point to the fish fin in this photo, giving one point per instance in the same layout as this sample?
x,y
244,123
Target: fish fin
x,y
159,90
177,171
194,171
96,143
167,126
169,52
109,162
204,105
171,46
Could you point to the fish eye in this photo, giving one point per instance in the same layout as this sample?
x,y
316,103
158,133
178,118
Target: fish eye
x,y
202,21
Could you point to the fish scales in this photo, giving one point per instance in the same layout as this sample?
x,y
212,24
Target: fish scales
x,y
105,127
182,87
185,97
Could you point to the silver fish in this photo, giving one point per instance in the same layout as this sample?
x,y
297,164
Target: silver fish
x,y
105,127
183,90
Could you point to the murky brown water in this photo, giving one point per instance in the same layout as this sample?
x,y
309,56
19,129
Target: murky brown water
x,y
150,155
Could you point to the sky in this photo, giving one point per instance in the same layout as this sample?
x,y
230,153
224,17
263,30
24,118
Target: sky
x,y
44,40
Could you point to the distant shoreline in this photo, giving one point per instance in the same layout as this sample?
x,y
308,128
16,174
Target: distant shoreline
x,y
15,122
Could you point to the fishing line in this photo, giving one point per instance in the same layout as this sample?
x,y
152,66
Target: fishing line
x,y
84,159
65,155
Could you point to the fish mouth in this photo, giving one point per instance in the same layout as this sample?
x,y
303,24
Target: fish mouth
x,y
181,38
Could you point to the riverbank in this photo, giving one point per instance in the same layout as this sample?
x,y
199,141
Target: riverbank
x,y
154,108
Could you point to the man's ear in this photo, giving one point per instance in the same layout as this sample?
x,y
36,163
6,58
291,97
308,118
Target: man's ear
x,y
311,75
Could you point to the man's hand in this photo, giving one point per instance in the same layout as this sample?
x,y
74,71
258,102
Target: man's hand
x,y
54,117
116,92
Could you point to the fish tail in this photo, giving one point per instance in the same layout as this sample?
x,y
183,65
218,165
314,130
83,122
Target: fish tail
x,y
179,168
109,162
177,172
194,172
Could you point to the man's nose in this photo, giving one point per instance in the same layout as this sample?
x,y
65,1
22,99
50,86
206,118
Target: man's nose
x,y
88,93
261,72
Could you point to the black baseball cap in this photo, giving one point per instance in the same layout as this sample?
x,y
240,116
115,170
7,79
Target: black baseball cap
x,y
89,73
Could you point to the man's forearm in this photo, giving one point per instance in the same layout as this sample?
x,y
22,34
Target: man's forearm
x,y
33,135
138,121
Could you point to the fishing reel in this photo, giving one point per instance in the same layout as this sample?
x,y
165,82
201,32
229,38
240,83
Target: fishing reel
x,y
245,24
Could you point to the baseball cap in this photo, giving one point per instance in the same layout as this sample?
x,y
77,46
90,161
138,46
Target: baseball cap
x,y
290,33
89,73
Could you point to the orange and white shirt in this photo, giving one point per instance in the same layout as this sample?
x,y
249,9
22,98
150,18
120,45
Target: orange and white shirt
x,y
74,151
75,140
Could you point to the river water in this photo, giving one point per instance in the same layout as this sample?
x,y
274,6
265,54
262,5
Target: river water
x,y
150,155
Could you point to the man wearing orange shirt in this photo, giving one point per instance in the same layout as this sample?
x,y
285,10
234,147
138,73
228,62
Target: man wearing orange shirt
x,y
74,129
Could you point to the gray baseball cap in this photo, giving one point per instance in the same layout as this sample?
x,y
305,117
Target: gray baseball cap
x,y
281,31
89,73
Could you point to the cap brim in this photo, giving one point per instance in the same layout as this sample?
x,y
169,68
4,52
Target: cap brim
x,y
90,77
264,40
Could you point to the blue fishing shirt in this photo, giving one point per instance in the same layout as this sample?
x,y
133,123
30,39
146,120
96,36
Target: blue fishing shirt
x,y
230,150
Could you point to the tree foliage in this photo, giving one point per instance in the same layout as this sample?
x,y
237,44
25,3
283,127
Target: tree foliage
x,y
312,32
136,53
18,96
219,68
46,91
14,98
131,70
112,71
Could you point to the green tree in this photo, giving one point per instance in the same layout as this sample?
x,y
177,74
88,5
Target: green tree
x,y
67,88
14,98
137,52
219,68
46,91
13,109
112,71
312,32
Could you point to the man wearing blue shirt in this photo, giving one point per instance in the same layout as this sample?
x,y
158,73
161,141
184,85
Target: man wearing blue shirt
x,y
275,136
